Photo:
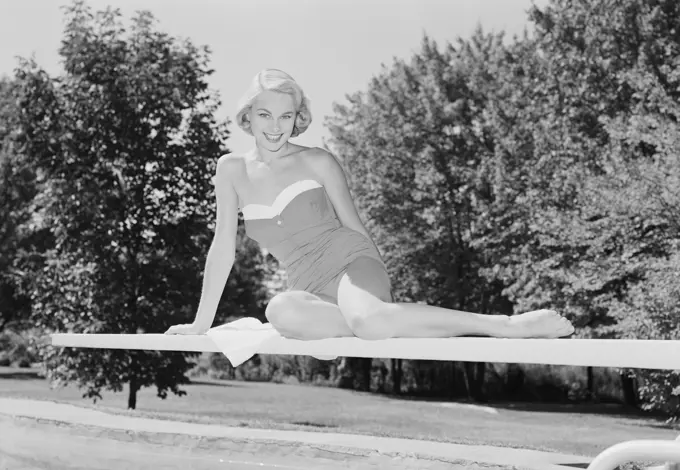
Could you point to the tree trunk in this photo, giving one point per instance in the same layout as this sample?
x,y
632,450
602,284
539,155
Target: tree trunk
x,y
382,380
366,365
466,376
474,379
451,379
514,381
480,375
132,396
396,375
591,383
629,388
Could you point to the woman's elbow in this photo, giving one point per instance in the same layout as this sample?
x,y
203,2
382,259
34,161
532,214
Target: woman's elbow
x,y
223,247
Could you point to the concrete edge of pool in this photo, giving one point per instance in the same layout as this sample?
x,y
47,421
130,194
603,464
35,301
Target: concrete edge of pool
x,y
261,442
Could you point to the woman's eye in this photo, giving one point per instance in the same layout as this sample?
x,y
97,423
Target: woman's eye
x,y
262,115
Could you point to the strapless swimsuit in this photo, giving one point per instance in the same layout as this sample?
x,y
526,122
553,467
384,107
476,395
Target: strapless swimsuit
x,y
302,231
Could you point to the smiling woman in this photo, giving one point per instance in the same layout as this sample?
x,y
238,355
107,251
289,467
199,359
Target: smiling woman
x,y
296,203
290,109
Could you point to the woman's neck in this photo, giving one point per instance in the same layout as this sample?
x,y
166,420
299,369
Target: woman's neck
x,y
267,156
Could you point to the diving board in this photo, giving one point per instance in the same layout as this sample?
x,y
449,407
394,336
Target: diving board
x,y
619,353
624,353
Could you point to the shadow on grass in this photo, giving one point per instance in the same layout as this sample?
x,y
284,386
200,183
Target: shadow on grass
x,y
602,409
14,373
314,425
214,383
21,374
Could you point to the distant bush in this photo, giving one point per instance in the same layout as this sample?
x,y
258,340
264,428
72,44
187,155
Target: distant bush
x,y
5,360
17,349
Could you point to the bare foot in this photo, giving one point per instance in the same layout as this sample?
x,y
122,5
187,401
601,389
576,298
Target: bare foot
x,y
539,324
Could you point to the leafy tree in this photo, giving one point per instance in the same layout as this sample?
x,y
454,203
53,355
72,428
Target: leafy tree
x,y
247,291
516,172
127,142
595,107
641,189
414,157
17,187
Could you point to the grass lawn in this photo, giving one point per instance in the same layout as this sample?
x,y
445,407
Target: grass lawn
x,y
582,430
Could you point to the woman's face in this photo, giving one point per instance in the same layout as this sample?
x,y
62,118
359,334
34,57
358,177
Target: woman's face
x,y
272,118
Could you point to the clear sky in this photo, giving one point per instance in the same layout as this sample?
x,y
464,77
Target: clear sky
x,y
331,47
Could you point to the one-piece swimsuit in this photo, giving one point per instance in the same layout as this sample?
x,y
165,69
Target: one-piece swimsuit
x,y
302,231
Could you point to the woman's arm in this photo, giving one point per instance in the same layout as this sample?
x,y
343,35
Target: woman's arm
x,y
334,181
222,252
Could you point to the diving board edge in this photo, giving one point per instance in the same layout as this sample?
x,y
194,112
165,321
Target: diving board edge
x,y
621,353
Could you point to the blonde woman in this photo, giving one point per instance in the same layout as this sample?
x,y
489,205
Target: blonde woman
x,y
296,203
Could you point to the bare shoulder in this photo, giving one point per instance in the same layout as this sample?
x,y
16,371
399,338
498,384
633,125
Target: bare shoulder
x,y
232,160
229,165
323,163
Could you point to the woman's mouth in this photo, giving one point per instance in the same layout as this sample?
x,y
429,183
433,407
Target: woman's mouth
x,y
273,138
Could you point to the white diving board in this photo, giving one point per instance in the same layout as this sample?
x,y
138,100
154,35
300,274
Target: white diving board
x,y
623,353
619,353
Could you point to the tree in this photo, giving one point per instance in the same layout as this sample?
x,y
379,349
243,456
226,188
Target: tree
x,y
598,107
17,188
414,158
641,187
126,142
509,178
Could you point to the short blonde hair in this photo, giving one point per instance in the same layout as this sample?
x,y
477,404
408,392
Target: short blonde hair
x,y
281,82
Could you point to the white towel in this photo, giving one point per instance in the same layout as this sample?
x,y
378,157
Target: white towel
x,y
241,339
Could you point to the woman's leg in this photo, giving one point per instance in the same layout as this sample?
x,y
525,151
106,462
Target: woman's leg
x,y
364,301
301,315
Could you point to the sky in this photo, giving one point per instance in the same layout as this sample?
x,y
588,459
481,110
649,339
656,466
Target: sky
x,y
331,47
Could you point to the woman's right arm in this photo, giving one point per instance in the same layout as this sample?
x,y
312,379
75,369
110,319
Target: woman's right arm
x,y
222,252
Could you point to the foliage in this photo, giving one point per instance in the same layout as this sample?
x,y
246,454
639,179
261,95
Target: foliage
x,y
17,188
125,143
537,174
496,176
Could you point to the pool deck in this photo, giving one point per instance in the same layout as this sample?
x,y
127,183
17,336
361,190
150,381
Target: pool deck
x,y
262,441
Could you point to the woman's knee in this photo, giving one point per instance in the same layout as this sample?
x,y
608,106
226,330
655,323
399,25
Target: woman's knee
x,y
371,322
292,307
282,308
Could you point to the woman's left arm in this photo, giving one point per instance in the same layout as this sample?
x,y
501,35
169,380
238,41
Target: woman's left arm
x,y
334,181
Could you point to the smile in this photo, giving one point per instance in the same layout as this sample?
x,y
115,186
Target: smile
x,y
273,138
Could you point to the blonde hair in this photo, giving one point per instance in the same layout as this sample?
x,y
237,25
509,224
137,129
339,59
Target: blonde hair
x,y
281,82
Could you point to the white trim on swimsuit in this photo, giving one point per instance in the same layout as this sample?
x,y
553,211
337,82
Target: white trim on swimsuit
x,y
285,197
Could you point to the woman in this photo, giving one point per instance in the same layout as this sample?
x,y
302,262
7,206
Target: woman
x,y
295,202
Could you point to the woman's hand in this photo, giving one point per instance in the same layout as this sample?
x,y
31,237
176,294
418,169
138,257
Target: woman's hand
x,y
187,329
